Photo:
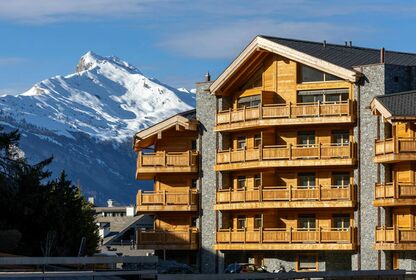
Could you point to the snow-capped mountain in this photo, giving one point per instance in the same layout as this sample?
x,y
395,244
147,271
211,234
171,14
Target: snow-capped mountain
x,y
86,120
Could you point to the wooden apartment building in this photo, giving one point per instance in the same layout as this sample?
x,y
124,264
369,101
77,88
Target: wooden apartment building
x,y
275,166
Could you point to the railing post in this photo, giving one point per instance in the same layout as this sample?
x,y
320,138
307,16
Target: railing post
x,y
229,155
290,192
189,158
139,200
319,108
244,113
245,235
319,235
261,235
260,193
164,197
319,150
229,115
140,159
164,158
189,197
260,111
290,235
319,192
290,151
289,110
229,239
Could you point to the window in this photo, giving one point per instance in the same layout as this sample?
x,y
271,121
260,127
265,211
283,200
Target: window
x,y
306,138
307,180
309,74
323,96
258,221
255,81
257,180
193,145
307,262
194,183
341,179
241,182
249,101
341,221
307,222
241,222
241,142
341,137
257,140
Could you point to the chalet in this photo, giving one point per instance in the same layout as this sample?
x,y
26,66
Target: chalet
x,y
278,164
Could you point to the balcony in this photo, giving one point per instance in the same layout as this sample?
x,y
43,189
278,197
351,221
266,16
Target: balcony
x,y
286,239
168,239
166,201
394,194
395,238
285,114
149,164
286,197
286,156
395,149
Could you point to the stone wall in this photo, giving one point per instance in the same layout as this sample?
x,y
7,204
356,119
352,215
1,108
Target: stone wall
x,y
206,107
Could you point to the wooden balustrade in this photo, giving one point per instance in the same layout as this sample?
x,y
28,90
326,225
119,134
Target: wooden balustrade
x,y
395,149
164,159
168,239
395,238
150,163
286,152
167,201
285,111
286,235
286,193
394,194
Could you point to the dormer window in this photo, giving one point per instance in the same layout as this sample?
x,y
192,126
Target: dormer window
x,y
309,74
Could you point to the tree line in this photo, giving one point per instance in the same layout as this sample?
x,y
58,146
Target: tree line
x,y
39,215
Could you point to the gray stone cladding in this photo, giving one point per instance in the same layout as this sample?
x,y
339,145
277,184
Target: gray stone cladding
x,y
366,175
206,107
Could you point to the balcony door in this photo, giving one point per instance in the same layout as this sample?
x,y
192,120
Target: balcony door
x,y
306,138
307,222
340,137
307,180
249,101
341,179
341,221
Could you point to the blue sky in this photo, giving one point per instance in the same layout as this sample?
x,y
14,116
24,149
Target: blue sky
x,y
177,41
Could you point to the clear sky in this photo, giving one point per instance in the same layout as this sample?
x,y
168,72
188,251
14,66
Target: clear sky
x,y
177,41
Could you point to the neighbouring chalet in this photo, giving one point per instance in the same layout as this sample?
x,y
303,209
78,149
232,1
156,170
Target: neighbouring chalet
x,y
279,163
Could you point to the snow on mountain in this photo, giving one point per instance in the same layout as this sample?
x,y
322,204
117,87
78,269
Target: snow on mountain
x,y
86,120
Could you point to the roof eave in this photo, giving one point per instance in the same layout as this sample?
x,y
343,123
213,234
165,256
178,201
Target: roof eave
x,y
265,44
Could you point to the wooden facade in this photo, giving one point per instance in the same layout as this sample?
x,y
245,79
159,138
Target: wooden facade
x,y
287,147
167,154
397,152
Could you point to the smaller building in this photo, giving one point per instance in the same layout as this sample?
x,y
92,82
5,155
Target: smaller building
x,y
117,229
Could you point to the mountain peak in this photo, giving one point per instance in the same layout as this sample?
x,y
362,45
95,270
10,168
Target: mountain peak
x,y
91,60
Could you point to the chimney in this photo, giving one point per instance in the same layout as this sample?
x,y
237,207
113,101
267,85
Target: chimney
x,y
207,77
324,44
346,43
110,203
350,44
382,55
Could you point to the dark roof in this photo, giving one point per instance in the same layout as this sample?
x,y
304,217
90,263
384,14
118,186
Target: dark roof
x,y
345,56
399,104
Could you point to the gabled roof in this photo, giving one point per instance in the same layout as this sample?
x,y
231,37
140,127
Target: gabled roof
x,y
345,56
338,60
396,107
146,137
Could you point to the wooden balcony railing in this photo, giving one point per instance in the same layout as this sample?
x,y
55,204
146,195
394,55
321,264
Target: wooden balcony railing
x,y
286,193
395,190
286,235
167,201
395,146
168,239
149,164
395,238
286,152
285,111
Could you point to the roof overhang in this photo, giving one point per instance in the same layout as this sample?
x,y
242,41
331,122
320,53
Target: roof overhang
x,y
148,136
260,43
377,108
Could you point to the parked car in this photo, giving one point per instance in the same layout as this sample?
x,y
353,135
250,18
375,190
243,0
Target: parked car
x,y
245,268
173,267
